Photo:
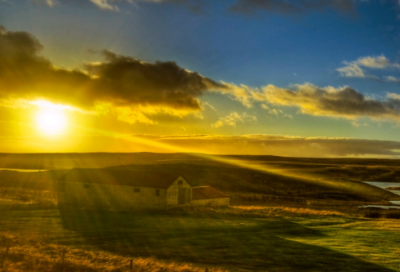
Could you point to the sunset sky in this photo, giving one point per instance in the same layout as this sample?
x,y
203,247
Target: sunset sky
x,y
267,77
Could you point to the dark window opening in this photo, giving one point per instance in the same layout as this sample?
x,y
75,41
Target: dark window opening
x,y
136,190
157,192
180,182
86,186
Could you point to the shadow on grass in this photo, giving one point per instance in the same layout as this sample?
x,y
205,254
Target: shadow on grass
x,y
216,240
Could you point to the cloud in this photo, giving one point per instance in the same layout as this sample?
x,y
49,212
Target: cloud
x,y
101,4
336,102
237,92
105,4
392,79
281,145
394,96
284,7
351,70
292,7
262,144
133,90
379,62
125,81
233,118
119,81
344,102
355,68
112,5
275,112
49,3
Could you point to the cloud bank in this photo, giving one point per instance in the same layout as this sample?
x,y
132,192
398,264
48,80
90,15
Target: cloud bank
x,y
118,81
342,102
338,102
281,145
133,89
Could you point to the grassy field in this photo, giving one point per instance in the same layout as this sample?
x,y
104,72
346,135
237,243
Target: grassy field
x,y
306,218
235,239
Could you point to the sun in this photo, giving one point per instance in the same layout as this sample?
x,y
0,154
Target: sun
x,y
51,121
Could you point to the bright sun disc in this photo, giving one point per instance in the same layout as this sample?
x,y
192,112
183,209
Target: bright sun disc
x,y
51,122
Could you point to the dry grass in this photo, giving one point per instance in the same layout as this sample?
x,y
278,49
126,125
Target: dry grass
x,y
233,239
380,213
281,210
31,254
257,211
27,195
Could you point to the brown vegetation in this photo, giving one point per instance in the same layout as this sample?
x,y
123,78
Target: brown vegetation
x,y
20,254
393,188
380,213
263,211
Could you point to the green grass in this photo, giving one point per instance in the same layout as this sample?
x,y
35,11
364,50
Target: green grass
x,y
228,239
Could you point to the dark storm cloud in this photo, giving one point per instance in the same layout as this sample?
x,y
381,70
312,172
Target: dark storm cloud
x,y
25,74
290,7
153,83
119,80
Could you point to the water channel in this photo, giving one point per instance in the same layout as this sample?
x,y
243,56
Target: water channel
x,y
385,185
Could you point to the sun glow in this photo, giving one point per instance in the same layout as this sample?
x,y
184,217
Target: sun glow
x,y
51,121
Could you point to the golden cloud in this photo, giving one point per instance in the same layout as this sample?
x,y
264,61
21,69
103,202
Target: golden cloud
x,y
336,102
342,102
279,145
233,118
120,81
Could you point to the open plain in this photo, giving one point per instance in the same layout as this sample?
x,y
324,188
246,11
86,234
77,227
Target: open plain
x,y
290,215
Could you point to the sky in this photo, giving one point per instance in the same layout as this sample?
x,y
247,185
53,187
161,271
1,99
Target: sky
x,y
261,77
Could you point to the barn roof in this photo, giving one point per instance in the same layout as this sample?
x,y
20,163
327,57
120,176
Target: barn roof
x,y
207,192
121,177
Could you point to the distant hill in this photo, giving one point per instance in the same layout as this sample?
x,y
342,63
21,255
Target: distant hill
x,y
242,180
303,177
100,160
41,181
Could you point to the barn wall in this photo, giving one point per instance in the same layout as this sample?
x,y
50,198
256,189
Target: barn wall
x,y
172,192
94,195
212,202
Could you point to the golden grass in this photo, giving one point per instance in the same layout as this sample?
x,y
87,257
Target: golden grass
x,y
290,210
264,211
281,210
27,195
30,254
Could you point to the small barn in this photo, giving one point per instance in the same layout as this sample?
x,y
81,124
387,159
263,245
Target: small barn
x,y
208,196
119,189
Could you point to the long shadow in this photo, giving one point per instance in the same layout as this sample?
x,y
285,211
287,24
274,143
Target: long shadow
x,y
231,242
